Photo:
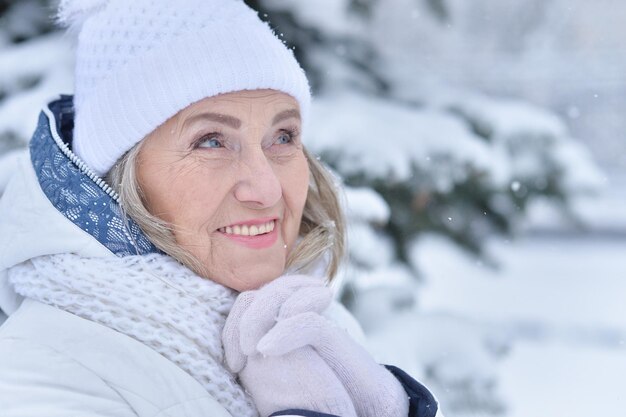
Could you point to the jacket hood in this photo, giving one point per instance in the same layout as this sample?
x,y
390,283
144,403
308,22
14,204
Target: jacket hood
x,y
54,203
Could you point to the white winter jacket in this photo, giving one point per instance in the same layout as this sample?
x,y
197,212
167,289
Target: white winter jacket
x,y
53,363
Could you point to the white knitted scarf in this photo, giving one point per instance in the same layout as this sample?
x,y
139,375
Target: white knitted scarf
x,y
151,298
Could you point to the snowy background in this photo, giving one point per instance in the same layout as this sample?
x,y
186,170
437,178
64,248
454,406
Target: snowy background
x,y
482,149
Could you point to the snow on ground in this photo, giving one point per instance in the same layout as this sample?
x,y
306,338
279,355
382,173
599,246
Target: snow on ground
x,y
548,380
569,282
557,304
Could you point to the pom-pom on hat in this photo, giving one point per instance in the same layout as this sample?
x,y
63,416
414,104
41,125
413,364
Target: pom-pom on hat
x,y
139,62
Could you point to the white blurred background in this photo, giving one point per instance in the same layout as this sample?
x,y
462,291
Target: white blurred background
x,y
482,149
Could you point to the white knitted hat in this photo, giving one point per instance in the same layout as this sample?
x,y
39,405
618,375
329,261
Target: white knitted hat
x,y
139,62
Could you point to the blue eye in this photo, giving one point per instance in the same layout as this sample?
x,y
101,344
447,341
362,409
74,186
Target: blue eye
x,y
284,138
209,142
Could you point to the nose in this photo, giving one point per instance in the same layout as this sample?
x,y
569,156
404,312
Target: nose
x,y
258,185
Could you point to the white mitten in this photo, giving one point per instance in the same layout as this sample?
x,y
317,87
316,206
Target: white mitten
x,y
296,378
374,391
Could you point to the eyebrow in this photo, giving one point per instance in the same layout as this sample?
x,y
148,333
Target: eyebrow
x,y
286,114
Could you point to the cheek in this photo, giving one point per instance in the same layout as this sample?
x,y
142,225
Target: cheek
x,y
181,194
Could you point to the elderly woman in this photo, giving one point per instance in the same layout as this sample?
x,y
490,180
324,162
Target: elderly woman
x,y
157,245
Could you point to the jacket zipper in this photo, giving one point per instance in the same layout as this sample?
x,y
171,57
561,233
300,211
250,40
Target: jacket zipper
x,y
82,166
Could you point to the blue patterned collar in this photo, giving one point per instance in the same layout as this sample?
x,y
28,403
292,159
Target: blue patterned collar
x,y
78,193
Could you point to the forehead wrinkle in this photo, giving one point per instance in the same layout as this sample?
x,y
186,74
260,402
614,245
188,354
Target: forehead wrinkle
x,y
225,119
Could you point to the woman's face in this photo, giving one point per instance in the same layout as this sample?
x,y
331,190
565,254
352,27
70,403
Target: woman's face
x,y
229,174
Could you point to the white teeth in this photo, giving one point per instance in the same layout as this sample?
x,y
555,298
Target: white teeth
x,y
249,230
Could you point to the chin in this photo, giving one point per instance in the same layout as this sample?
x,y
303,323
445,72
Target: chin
x,y
245,280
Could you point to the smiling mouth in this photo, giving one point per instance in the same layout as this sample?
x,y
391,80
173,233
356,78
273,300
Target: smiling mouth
x,y
249,230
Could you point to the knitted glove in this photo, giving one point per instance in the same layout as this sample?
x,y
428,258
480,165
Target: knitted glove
x,y
295,378
285,318
374,391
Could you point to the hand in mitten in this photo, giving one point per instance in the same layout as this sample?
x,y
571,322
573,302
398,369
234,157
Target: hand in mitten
x,y
296,378
374,391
